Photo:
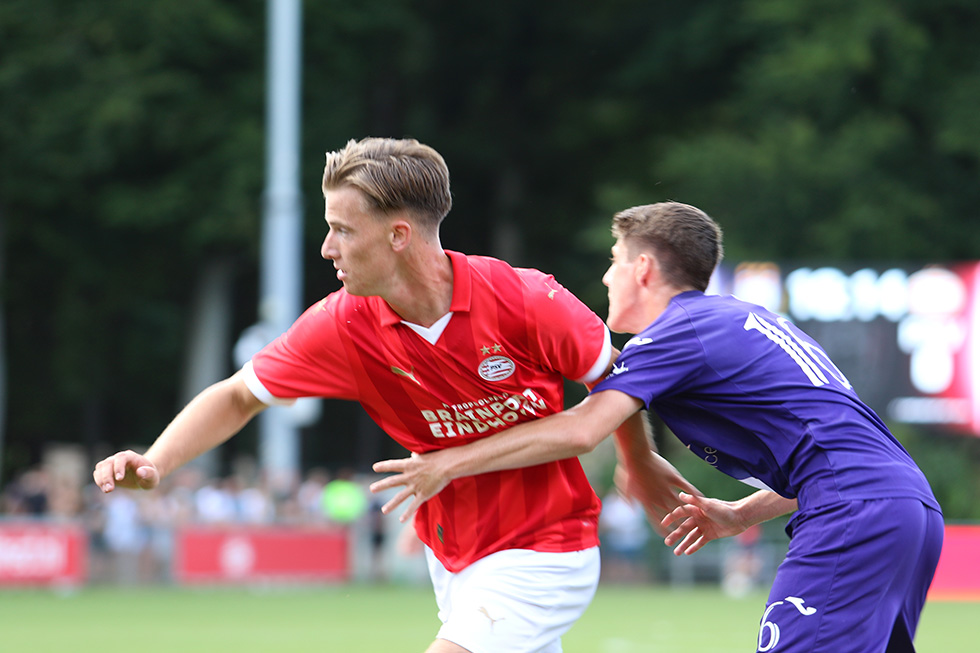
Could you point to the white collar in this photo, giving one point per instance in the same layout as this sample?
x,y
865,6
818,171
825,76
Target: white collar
x,y
432,333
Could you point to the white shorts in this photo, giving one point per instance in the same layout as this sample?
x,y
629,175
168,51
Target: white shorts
x,y
519,601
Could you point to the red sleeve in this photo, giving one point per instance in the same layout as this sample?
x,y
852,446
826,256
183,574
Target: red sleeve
x,y
570,337
312,359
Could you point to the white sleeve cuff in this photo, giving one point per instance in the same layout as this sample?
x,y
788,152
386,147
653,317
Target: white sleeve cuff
x,y
259,390
602,362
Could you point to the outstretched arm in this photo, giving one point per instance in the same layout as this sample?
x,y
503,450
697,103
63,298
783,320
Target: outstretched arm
x,y
700,519
211,418
643,475
563,435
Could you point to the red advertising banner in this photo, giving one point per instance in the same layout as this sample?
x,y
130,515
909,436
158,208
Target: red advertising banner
x,y
958,574
42,554
256,554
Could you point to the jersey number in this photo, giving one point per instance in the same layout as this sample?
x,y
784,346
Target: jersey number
x,y
811,359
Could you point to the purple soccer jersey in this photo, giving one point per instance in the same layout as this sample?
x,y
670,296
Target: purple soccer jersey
x,y
759,400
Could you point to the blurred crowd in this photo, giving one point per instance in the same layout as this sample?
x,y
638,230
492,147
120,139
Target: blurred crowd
x,y
131,534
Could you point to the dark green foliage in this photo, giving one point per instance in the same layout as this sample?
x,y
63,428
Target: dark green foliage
x,y
131,154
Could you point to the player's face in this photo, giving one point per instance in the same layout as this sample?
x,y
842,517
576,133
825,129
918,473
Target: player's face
x,y
625,315
357,242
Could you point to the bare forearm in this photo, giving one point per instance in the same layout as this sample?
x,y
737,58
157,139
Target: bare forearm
x,y
556,437
635,450
645,476
762,506
532,443
567,434
702,519
634,439
210,419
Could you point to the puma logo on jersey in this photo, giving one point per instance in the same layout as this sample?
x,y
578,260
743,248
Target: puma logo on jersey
x,y
408,375
486,613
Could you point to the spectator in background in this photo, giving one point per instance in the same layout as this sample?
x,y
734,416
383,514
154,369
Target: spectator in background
x,y
126,537
378,533
27,495
165,512
742,565
309,496
625,538
344,500
255,505
215,501
93,520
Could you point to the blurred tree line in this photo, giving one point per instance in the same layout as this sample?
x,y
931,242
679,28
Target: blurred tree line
x,y
131,165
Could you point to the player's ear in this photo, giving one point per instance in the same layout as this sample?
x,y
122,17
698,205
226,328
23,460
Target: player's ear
x,y
644,268
400,234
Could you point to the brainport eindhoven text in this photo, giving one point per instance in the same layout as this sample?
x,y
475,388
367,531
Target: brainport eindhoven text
x,y
483,415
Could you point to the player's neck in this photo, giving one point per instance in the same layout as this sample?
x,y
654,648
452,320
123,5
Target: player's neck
x,y
423,291
657,301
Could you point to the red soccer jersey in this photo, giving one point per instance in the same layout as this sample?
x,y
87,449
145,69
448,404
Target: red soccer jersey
x,y
511,337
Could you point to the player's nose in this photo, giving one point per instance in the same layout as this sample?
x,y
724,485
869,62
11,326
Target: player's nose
x,y
326,250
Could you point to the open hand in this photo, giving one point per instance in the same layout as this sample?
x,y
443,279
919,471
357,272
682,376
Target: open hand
x,y
126,469
656,486
698,521
420,475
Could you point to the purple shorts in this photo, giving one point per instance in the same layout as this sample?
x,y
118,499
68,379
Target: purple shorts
x,y
855,578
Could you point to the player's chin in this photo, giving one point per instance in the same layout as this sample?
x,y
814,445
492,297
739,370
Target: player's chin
x,y
353,288
361,287
616,325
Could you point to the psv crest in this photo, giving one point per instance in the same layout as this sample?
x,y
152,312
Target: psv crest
x,y
496,368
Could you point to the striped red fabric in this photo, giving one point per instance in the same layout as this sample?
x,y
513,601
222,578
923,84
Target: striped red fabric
x,y
513,335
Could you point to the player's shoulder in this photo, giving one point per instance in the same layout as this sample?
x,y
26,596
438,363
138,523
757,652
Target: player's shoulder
x,y
329,305
696,305
493,271
482,264
682,324
341,305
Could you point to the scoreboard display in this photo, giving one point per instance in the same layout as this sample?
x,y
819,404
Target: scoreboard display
x,y
907,337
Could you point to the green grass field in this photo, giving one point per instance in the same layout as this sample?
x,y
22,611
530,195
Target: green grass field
x,y
365,619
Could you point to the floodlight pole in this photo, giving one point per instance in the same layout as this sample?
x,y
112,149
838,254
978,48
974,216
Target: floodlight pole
x,y
280,299
3,356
